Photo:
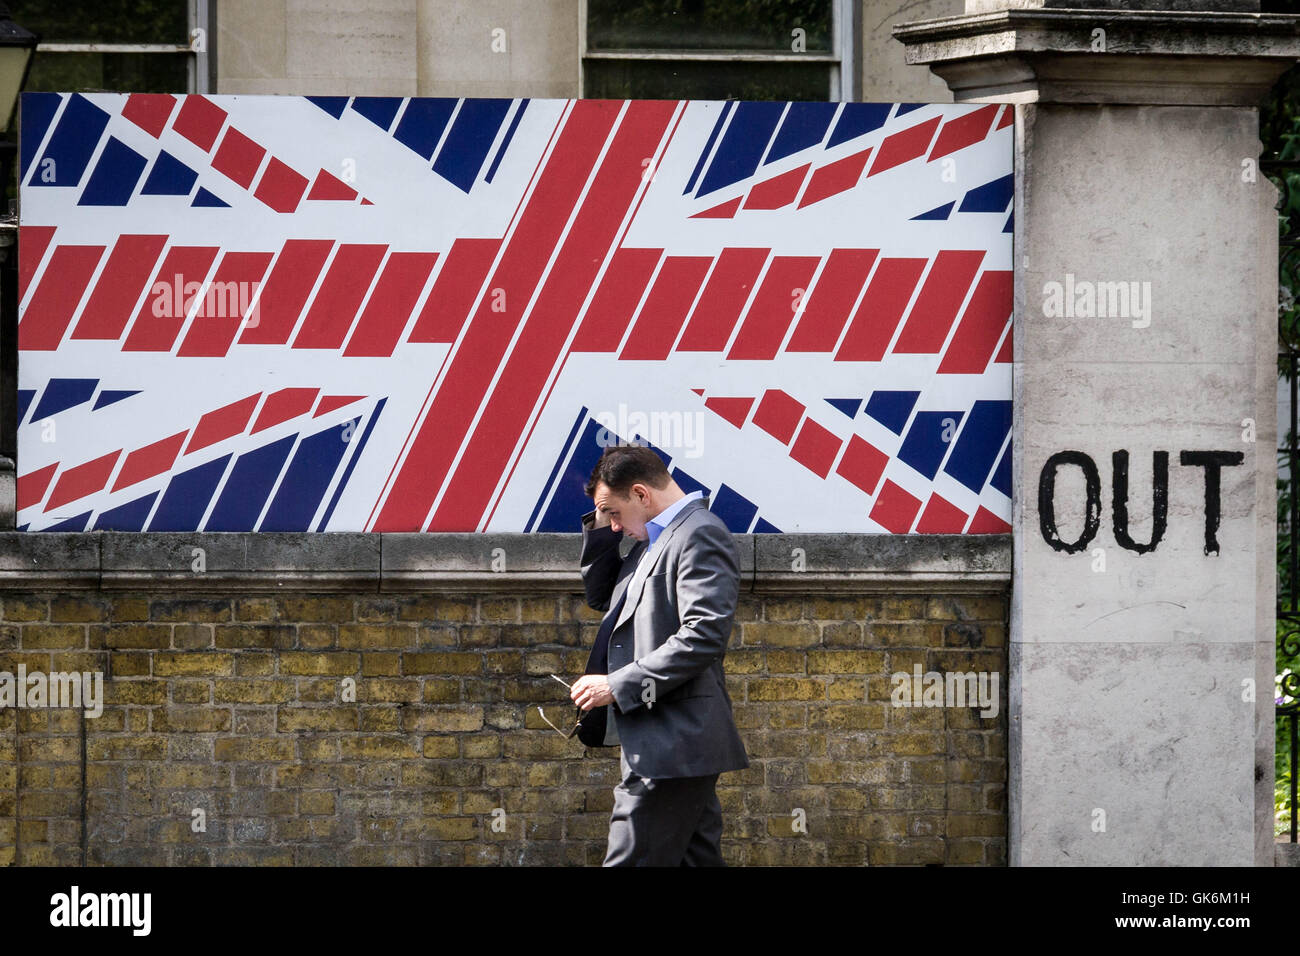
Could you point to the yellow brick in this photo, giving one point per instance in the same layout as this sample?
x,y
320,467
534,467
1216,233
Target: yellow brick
x,y
20,608
315,608
442,662
365,748
133,636
377,636
538,609
275,691
189,610
192,720
848,717
79,608
293,719
785,662
784,609
846,662
51,636
252,749
135,692
435,608
304,663
381,664
441,747
784,688
177,663
316,802
777,634
499,609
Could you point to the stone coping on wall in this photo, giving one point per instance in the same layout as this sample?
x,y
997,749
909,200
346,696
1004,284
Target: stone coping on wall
x,y
447,561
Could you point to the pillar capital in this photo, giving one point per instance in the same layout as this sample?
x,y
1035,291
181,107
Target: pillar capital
x,y
1043,54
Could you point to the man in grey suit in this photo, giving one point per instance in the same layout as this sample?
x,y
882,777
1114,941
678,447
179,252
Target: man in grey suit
x,y
670,607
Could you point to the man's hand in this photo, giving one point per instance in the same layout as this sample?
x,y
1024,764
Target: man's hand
x,y
601,520
591,690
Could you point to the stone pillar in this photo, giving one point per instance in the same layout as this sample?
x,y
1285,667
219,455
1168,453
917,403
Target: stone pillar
x,y
1143,605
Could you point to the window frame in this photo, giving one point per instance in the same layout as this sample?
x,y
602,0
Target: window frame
x,y
844,79
198,67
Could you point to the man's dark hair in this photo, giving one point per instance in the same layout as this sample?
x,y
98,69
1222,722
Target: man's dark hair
x,y
622,466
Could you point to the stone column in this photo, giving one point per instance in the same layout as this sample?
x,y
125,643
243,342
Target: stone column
x,y
1143,606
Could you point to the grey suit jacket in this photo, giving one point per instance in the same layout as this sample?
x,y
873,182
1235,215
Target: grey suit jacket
x,y
672,709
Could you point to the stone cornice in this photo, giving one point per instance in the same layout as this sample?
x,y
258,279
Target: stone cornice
x,y
1149,57
454,562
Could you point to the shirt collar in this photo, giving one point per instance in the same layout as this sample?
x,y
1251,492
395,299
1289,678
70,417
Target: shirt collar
x,y
657,525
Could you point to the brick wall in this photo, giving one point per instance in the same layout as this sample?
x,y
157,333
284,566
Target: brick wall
x,y
230,702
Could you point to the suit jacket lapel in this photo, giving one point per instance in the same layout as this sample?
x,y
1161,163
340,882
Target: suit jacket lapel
x,y
636,584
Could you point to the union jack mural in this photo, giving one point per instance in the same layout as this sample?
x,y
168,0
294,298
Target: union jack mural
x,y
383,314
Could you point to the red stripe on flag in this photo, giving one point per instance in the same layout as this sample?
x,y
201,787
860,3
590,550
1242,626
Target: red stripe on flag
x,y
936,307
199,121
238,157
225,303
150,111
963,131
285,292
443,428
82,480
150,460
32,243
161,316
895,508
941,517
455,290
880,310
31,486
778,414
46,318
772,312
829,304
328,403
329,187
904,147
724,296
981,325
1004,353
815,447
778,191
835,178
222,423
282,405
380,327
280,187
665,307
725,210
332,314
124,277
540,346
614,302
862,464
986,522
732,410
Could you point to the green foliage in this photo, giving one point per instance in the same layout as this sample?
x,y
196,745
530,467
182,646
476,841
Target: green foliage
x,y
1279,132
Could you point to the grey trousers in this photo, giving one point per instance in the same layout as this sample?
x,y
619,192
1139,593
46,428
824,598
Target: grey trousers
x,y
668,821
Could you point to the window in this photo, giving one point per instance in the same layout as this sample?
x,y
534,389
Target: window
x,y
128,46
719,49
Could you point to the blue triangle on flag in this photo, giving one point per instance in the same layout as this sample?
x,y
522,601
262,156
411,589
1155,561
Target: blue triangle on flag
x,y
849,406
205,198
938,212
